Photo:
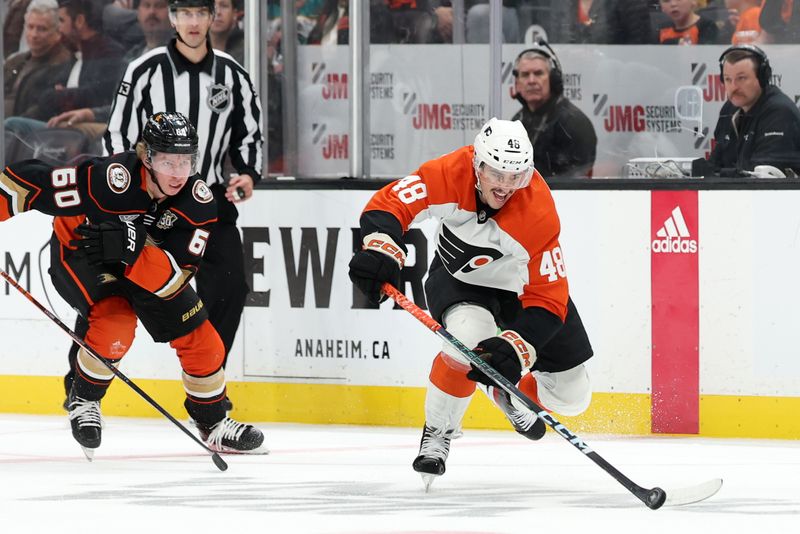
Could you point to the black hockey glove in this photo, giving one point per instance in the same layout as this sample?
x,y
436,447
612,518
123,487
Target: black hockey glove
x,y
507,353
379,261
111,242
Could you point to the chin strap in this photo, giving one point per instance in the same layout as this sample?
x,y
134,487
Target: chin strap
x,y
155,180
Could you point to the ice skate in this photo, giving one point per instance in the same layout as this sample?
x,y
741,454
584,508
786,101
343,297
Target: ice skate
x,y
433,450
229,436
86,422
524,421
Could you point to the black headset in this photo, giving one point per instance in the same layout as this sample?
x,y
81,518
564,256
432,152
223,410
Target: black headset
x,y
763,68
543,49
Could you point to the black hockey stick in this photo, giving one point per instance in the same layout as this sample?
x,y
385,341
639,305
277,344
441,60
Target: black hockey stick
x,y
654,498
218,461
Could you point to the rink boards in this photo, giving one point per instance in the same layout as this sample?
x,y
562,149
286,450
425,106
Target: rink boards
x,y
689,299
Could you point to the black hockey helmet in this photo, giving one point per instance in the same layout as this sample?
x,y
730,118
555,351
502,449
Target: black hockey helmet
x,y
175,4
170,132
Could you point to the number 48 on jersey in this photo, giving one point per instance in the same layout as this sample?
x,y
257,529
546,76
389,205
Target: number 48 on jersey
x,y
552,265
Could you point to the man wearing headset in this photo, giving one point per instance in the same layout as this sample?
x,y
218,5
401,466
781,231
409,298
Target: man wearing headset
x,y
759,124
563,138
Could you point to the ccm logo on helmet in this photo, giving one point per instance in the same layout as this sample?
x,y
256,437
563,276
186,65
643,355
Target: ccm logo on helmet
x,y
525,356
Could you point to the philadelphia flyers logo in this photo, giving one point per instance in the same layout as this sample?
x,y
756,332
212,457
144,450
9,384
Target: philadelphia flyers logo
x,y
459,256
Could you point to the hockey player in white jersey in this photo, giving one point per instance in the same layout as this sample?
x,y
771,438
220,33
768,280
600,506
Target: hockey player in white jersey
x,y
498,283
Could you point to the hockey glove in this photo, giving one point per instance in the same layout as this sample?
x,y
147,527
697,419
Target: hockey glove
x,y
508,353
111,242
379,261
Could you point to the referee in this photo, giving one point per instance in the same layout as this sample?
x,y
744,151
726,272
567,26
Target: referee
x,y
216,94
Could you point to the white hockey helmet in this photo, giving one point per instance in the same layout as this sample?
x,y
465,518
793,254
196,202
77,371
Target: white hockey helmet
x,y
504,146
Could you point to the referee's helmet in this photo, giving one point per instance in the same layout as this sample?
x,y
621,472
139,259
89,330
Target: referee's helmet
x,y
175,4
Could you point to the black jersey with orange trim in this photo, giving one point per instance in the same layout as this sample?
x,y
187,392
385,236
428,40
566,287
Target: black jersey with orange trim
x,y
704,31
114,189
515,248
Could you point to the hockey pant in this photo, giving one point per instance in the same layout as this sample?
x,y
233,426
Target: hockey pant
x,y
449,390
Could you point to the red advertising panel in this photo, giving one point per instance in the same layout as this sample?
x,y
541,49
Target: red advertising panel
x,y
673,262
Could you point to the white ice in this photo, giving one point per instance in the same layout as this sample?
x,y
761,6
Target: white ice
x,y
148,477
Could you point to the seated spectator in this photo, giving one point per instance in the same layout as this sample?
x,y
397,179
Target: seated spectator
x,y
119,23
332,25
92,79
744,15
14,26
414,21
758,125
780,21
601,22
153,17
478,22
563,138
686,27
225,33
27,74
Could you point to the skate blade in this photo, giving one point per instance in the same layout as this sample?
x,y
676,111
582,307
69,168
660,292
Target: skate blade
x,y
259,451
89,453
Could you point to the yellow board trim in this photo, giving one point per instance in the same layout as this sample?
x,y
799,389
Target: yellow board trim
x,y
611,413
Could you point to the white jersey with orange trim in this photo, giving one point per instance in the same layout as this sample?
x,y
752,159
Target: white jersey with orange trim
x,y
514,248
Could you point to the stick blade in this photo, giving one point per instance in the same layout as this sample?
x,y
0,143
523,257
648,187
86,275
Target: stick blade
x,y
693,494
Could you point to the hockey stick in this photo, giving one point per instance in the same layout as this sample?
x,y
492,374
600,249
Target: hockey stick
x,y
218,461
654,498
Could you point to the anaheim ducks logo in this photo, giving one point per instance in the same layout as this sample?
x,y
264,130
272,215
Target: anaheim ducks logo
x,y
458,255
118,177
201,192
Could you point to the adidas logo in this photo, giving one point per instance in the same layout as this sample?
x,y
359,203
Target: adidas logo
x,y
674,235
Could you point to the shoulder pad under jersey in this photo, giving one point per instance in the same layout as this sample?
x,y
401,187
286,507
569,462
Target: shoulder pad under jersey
x,y
116,184
195,203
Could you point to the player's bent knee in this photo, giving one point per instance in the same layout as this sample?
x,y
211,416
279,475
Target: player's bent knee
x,y
112,326
566,392
470,324
201,351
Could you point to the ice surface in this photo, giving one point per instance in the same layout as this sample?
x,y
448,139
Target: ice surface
x,y
147,477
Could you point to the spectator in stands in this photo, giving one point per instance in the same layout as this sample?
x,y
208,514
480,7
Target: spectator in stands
x,y
14,26
93,78
744,15
759,124
477,24
225,33
27,74
563,138
780,21
119,23
153,18
686,27
414,21
332,25
601,22
90,80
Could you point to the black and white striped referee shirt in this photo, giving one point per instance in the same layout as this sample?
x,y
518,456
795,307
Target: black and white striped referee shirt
x,y
217,96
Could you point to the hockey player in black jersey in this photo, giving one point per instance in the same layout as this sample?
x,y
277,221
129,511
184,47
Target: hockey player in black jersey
x,y
129,232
